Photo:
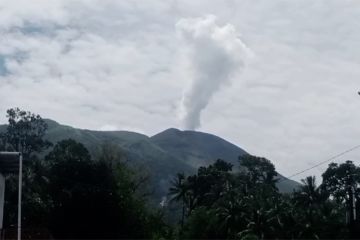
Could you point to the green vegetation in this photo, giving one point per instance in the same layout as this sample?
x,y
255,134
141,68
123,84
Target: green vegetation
x,y
67,194
71,192
221,204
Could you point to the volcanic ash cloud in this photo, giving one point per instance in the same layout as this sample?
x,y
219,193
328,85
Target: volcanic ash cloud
x,y
214,53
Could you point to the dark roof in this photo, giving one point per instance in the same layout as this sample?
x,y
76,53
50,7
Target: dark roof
x,y
9,162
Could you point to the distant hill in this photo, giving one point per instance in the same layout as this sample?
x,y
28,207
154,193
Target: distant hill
x,y
197,148
161,156
200,149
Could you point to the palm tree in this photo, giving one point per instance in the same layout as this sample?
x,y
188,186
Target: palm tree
x,y
178,192
309,194
310,198
232,210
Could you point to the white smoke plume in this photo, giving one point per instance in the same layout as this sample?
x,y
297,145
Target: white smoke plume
x,y
215,53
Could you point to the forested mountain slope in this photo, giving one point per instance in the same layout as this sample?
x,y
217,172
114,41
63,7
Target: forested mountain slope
x,y
160,156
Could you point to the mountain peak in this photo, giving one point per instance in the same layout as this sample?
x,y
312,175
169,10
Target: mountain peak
x,y
197,148
168,132
172,130
176,131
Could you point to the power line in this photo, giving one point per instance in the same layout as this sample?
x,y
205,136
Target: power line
x,y
321,163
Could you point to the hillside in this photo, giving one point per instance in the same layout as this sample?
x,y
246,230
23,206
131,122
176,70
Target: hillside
x,y
138,149
197,148
160,156
200,149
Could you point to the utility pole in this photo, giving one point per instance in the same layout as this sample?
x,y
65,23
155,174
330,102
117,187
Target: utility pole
x,y
20,196
10,162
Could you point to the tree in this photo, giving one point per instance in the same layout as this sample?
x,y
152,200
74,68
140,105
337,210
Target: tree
x,y
203,223
25,132
308,199
94,198
342,182
212,182
216,198
81,193
309,196
232,211
258,170
178,192
2,142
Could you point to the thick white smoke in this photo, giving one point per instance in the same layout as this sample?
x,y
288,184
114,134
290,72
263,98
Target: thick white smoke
x,y
215,54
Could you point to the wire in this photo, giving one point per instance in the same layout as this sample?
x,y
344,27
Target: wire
x,y
320,163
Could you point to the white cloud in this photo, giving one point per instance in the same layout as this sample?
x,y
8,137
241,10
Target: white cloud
x,y
92,63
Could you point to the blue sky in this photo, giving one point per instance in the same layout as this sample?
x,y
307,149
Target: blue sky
x,y
102,64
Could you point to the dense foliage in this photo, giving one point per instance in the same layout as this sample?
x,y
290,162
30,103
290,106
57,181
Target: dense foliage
x,y
69,193
220,203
